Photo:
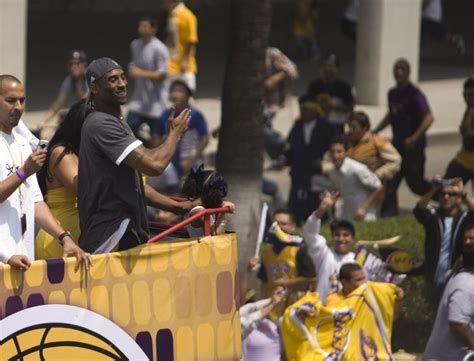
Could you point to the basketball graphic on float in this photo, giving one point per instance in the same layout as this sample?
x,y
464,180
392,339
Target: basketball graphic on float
x,y
42,333
170,301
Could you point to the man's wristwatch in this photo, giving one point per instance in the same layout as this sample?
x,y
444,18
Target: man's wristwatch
x,y
62,236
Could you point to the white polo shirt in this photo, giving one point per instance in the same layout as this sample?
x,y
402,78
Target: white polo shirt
x,y
14,150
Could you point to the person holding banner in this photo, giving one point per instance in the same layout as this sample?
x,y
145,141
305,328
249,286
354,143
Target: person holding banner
x,y
111,194
353,324
21,202
352,276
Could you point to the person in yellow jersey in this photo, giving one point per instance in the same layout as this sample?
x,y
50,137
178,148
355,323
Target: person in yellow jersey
x,y
304,28
181,40
463,163
284,259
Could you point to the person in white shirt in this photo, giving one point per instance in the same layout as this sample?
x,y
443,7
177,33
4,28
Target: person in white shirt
x,y
261,339
326,260
452,336
252,314
23,131
21,202
359,187
149,69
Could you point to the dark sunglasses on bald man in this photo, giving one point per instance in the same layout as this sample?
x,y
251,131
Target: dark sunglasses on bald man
x,y
451,194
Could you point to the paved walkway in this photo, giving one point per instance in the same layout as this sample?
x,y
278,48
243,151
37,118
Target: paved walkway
x,y
444,96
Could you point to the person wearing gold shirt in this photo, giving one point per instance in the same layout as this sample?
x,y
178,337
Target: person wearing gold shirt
x,y
462,165
58,180
181,40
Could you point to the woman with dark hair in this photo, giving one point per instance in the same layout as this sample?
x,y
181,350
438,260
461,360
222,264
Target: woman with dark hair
x,y
211,188
58,180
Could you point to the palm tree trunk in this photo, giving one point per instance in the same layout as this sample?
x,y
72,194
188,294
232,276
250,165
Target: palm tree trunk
x,y
240,150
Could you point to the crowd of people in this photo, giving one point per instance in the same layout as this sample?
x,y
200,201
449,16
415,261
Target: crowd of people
x,y
332,146
87,190
291,266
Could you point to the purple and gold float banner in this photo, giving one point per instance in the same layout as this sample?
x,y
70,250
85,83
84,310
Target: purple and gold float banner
x,y
167,301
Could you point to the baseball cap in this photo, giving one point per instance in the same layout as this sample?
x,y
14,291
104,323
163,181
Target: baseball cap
x,y
343,223
78,55
183,83
99,67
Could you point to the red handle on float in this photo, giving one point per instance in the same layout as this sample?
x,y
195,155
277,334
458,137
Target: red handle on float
x,y
206,213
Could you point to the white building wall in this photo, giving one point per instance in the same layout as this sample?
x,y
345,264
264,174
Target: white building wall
x,y
387,30
13,26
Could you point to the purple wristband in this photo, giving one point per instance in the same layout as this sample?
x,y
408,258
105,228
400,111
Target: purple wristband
x,y
20,174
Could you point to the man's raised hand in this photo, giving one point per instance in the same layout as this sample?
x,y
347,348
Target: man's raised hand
x,y
327,201
179,124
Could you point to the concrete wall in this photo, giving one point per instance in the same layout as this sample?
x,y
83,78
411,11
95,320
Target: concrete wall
x,y
13,37
55,26
388,30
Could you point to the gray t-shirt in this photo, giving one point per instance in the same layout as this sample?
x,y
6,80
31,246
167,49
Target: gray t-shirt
x,y
108,191
457,304
73,89
149,97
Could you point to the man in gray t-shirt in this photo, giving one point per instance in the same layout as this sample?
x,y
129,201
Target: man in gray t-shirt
x,y
149,69
112,191
453,332
111,200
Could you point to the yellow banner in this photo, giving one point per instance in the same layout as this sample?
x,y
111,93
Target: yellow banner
x,y
167,301
357,327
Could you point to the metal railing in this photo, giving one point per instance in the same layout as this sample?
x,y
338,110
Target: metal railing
x,y
205,213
